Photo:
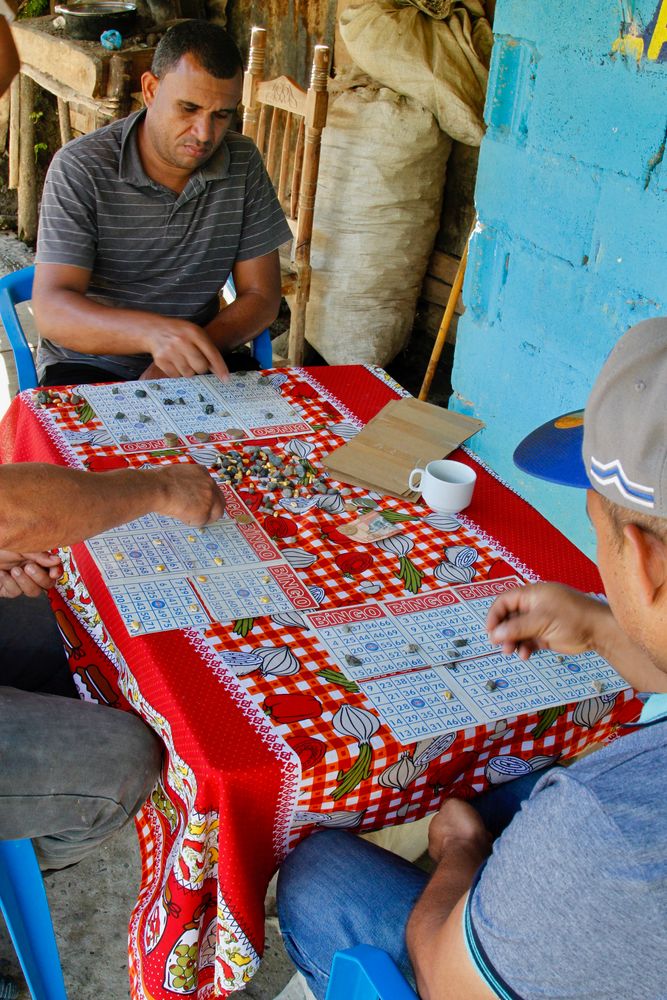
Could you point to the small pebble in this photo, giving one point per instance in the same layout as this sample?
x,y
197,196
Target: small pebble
x,y
264,599
459,642
135,626
140,393
118,556
202,579
170,437
201,436
598,686
167,402
120,415
412,647
160,568
490,685
218,561
352,660
208,408
115,390
193,607
447,695
191,538
144,418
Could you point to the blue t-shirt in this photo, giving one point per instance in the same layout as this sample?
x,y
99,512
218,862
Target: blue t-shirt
x,y
572,903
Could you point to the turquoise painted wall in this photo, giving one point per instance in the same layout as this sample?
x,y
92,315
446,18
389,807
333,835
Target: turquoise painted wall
x,y
571,245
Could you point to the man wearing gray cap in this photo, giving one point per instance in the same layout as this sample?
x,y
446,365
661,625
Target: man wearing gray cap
x,y
570,901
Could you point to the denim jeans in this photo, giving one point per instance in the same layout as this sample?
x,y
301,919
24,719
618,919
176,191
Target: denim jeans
x,y
336,890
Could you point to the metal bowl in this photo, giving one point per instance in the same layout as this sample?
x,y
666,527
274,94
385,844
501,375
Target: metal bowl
x,y
89,18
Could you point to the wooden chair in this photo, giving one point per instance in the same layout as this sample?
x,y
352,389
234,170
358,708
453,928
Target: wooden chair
x,y
286,123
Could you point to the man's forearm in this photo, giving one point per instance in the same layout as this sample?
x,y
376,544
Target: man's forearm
x,y
74,321
449,882
242,320
47,506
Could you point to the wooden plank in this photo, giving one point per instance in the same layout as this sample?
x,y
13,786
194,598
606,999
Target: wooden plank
x,y
76,68
437,292
443,266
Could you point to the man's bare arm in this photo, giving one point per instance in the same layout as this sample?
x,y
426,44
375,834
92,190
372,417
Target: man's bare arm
x,y
459,843
65,315
256,305
47,506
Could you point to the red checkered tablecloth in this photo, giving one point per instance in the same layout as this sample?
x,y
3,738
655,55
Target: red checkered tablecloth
x,y
257,755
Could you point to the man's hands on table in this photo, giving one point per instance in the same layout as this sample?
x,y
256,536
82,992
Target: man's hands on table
x,y
67,316
28,573
190,496
552,616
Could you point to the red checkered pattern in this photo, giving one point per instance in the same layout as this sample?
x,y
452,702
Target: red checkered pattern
x,y
229,758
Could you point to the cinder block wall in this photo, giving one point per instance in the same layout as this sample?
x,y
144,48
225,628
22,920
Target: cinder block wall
x,y
571,245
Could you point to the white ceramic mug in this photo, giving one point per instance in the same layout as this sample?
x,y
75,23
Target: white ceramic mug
x,y
446,486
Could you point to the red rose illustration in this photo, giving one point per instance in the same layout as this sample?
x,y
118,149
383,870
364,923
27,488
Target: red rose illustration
x,y
337,537
104,463
302,390
352,563
292,707
500,569
253,501
310,751
279,527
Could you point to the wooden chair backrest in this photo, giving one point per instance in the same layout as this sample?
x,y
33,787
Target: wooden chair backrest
x,y
286,123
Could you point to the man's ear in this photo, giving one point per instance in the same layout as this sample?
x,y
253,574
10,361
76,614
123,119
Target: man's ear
x,y
149,85
647,561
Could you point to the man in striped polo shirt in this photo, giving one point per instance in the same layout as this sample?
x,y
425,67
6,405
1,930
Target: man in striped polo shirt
x,y
142,222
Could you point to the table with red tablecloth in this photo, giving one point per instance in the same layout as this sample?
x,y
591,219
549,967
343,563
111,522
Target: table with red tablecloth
x,y
266,739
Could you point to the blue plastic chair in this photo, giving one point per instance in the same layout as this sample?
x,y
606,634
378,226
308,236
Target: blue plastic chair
x,y
366,973
17,287
260,347
26,911
14,288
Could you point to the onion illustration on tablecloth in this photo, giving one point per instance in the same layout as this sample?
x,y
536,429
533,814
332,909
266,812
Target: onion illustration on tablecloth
x,y
506,768
361,725
458,564
277,661
587,713
402,772
299,558
339,819
442,522
400,545
345,429
305,470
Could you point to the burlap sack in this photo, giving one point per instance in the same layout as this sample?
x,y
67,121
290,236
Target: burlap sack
x,y
441,64
377,212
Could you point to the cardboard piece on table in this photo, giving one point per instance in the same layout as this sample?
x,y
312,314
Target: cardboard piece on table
x,y
405,434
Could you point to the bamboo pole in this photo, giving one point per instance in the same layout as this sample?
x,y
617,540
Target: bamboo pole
x,y
445,324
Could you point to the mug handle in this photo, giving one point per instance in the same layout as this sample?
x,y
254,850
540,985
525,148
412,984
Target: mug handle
x,y
412,485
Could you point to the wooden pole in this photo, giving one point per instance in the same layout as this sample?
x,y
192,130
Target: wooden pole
x,y
27,186
441,338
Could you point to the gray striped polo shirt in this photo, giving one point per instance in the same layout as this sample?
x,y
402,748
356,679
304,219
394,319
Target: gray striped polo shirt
x,y
147,247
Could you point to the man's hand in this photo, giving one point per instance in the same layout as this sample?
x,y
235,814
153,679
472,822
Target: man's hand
x,y
27,573
547,616
191,494
457,823
180,348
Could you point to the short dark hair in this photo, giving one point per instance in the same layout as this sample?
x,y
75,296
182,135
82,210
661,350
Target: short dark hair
x,y
208,43
620,516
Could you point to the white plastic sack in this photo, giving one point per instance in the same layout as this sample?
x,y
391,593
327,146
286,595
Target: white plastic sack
x,y
441,64
377,212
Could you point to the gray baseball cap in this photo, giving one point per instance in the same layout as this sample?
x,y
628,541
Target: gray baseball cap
x,y
620,448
